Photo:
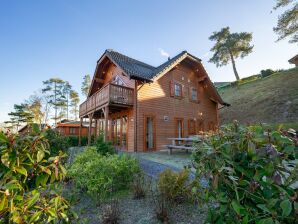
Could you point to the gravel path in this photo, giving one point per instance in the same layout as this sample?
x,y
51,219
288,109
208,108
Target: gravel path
x,y
153,169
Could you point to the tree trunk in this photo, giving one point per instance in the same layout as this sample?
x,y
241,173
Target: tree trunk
x,y
234,66
55,106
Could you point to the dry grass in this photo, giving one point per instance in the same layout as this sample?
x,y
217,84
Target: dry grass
x,y
272,100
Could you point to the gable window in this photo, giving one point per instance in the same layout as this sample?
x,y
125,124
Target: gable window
x,y
191,127
178,90
194,94
72,131
118,81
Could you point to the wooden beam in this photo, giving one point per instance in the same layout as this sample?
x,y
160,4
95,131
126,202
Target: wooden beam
x,y
99,80
96,127
80,131
201,79
106,113
90,128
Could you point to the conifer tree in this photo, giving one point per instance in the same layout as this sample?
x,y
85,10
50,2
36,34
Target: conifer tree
x,y
230,46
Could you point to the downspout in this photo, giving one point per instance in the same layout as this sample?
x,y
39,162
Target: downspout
x,y
136,117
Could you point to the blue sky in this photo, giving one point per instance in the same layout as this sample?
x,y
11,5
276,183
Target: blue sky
x,y
64,38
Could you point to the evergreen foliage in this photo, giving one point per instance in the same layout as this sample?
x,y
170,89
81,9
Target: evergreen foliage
x,y
230,46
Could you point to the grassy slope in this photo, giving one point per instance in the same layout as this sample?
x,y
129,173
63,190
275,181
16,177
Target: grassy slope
x,y
273,100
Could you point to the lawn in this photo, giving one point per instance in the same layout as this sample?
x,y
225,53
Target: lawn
x,y
271,100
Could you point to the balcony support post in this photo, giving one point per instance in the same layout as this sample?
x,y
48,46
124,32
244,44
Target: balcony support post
x,y
80,131
90,128
106,115
96,129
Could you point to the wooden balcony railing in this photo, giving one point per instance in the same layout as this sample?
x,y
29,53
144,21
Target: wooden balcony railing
x,y
109,94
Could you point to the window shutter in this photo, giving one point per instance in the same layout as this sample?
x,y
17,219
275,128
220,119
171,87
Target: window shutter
x,y
189,94
171,88
182,91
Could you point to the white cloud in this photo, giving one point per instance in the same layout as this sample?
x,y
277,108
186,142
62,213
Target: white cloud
x,y
205,55
163,52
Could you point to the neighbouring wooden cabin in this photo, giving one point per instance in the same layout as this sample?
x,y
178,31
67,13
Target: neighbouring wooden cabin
x,y
26,129
139,106
72,128
294,60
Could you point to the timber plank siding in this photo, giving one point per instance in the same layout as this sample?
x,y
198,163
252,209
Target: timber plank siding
x,y
140,105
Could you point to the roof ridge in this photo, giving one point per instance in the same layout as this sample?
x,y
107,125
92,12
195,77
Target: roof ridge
x,y
172,59
130,58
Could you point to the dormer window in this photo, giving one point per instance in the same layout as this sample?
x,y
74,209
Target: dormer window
x,y
118,81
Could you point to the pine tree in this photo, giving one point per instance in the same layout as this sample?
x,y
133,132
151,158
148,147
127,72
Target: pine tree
x,y
287,24
19,116
230,46
66,91
54,89
86,85
74,103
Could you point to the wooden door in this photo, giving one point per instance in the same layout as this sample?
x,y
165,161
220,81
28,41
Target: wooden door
x,y
150,133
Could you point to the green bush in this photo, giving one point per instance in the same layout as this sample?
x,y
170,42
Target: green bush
x,y
56,141
103,147
251,172
267,72
174,186
100,175
27,174
73,141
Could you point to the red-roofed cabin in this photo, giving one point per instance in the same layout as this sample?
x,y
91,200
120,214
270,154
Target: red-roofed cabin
x,y
72,128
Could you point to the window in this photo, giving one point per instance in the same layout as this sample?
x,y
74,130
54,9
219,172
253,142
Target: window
x,y
194,94
118,81
191,127
72,131
150,132
178,90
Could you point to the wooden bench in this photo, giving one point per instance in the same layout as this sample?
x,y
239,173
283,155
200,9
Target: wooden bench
x,y
182,143
183,147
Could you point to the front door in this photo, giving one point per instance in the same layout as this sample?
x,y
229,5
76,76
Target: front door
x,y
149,133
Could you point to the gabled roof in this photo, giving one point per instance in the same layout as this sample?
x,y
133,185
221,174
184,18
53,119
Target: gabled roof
x,y
132,67
294,60
28,125
141,71
73,124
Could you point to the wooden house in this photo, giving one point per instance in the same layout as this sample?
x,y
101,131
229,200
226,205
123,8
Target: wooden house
x,y
139,106
294,60
72,128
27,128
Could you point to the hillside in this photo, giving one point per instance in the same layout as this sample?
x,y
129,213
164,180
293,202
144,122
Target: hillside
x,y
273,100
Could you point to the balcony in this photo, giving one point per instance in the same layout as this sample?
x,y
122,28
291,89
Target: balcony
x,y
110,94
